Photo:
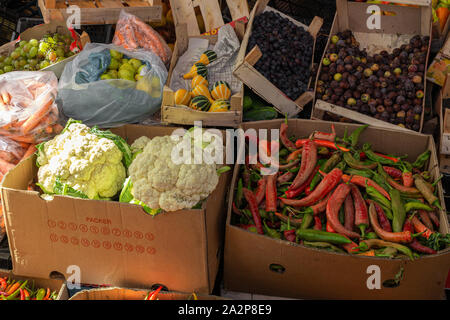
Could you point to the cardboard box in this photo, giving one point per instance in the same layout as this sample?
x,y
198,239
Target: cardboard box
x,y
54,284
113,243
395,21
37,32
438,70
134,294
316,274
245,71
187,28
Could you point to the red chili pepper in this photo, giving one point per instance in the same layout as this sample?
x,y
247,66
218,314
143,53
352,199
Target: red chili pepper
x,y
3,284
27,294
321,143
363,155
325,186
320,206
334,204
309,161
361,212
294,155
349,210
393,172
260,191
407,179
434,218
289,235
325,135
236,210
293,221
362,181
271,193
350,247
308,191
317,223
47,295
285,177
382,218
415,244
22,294
154,294
420,227
284,139
295,193
426,219
402,188
329,228
402,237
251,200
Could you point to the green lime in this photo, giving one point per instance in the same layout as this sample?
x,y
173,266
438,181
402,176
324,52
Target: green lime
x,y
113,73
135,63
105,77
33,52
127,66
44,64
114,65
8,68
34,42
116,54
126,74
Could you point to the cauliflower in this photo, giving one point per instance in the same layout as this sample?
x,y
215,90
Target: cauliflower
x,y
162,184
82,160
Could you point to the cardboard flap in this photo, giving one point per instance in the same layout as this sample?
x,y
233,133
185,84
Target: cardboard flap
x,y
315,26
253,56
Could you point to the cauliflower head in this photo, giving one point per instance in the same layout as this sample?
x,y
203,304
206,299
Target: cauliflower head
x,y
161,183
83,161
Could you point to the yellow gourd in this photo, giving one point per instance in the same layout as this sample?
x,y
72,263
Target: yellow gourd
x,y
182,96
220,105
221,90
199,80
196,69
202,90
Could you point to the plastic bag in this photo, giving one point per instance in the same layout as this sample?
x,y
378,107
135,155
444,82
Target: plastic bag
x,y
82,95
132,33
28,110
10,151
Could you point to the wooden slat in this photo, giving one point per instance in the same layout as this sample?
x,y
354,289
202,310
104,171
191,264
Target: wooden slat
x,y
212,15
261,6
413,2
342,12
50,3
238,8
315,26
253,56
183,12
425,19
187,116
109,3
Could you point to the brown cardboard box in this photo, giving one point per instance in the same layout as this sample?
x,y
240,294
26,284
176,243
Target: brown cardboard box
x,y
395,21
113,243
53,284
316,274
134,294
37,32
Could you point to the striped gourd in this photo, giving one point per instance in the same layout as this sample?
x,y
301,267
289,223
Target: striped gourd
x,y
200,103
199,80
197,69
182,96
202,90
220,105
221,90
207,57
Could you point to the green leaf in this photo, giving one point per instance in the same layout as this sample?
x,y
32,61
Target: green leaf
x,y
66,190
40,149
69,122
223,170
127,197
118,141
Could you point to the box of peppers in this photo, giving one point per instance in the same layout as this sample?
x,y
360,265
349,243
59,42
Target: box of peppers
x,y
351,212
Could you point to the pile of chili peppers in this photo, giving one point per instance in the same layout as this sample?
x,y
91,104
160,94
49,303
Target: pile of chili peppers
x,y
23,290
328,193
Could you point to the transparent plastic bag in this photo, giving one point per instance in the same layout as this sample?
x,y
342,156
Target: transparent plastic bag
x,y
107,103
133,33
29,113
10,151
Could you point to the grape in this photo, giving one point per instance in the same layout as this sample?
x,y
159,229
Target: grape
x,y
33,52
2,72
34,42
44,64
26,48
22,43
32,62
2,58
60,52
8,68
24,54
8,61
22,62
15,55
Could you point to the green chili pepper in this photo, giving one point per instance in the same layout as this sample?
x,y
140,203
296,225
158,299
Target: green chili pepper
x,y
415,205
426,191
306,222
421,159
40,294
376,195
388,252
323,245
322,151
371,235
341,165
332,161
355,172
374,157
283,153
387,211
248,214
354,137
294,169
271,232
239,193
264,214
318,177
355,164
321,236
398,210
13,295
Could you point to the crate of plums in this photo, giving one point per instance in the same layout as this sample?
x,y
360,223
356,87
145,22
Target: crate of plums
x,y
373,68
276,58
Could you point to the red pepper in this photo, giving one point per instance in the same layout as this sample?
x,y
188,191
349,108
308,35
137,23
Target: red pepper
x,y
415,244
293,221
317,223
47,295
349,209
22,294
350,247
284,139
325,186
294,155
154,294
407,179
309,161
295,193
285,177
260,191
236,210
251,200
321,143
420,227
271,193
402,237
363,155
325,135
27,294
434,218
334,204
426,219
329,228
402,188
361,212
393,172
3,284
362,181
382,218
320,206
289,235
308,191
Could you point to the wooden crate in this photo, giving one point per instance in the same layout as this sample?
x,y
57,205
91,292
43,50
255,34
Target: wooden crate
x,y
186,27
101,11
245,71
353,15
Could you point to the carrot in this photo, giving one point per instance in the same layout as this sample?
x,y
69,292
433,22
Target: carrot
x,y
57,128
370,253
32,149
34,119
49,129
442,13
5,166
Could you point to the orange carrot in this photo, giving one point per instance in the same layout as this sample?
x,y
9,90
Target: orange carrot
x,y
57,128
34,119
32,149
442,13
5,166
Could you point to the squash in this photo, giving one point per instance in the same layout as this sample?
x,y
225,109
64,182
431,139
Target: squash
x,y
201,90
207,57
197,69
200,103
199,80
182,96
220,105
221,90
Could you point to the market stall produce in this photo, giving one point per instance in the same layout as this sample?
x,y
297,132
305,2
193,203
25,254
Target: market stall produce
x,y
11,289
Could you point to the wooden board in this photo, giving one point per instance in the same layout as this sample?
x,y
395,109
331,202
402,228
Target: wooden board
x,y
101,11
245,71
